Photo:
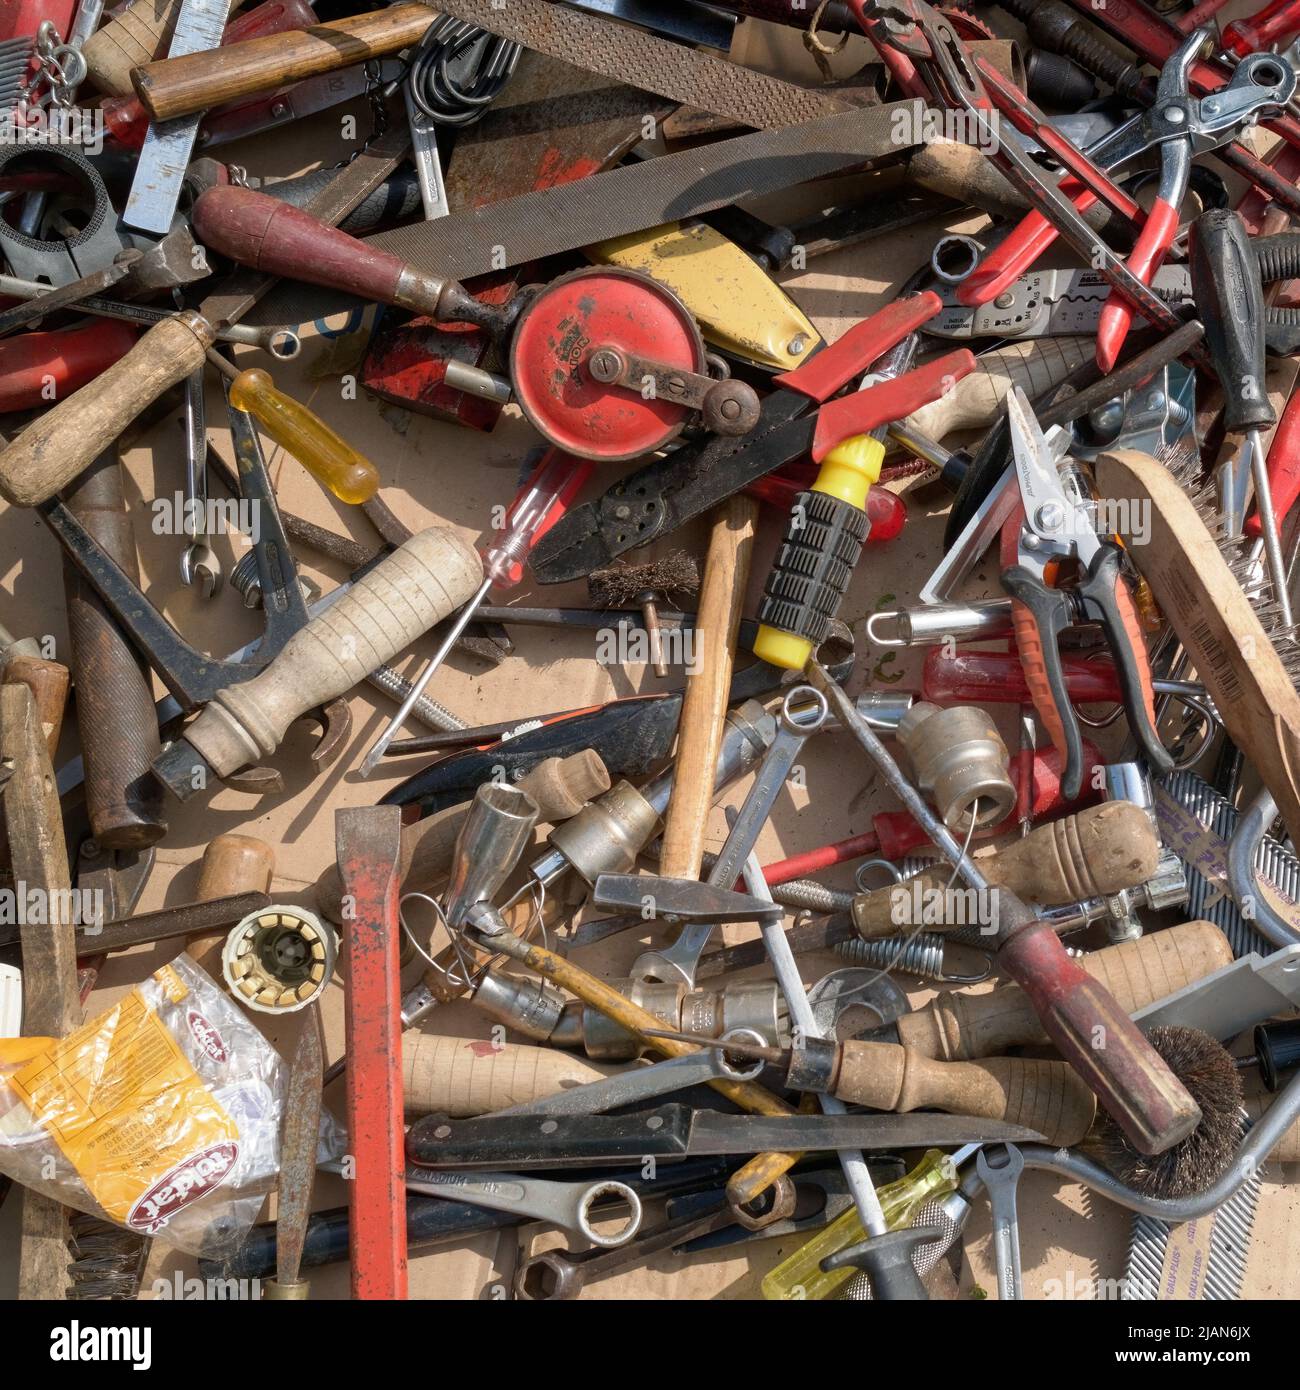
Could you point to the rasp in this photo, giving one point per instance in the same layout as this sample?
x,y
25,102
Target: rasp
x,y
645,60
673,1131
298,1139
632,198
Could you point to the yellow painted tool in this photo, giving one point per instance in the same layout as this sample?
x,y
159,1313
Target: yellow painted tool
x,y
738,306
800,1276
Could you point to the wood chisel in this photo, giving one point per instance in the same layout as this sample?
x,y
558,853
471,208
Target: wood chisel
x,y
160,170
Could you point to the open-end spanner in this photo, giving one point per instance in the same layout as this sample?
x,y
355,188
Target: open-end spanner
x,y
803,712
564,1204
200,568
999,1167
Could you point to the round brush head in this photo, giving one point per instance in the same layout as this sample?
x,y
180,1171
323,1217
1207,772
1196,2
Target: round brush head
x,y
619,585
1208,1071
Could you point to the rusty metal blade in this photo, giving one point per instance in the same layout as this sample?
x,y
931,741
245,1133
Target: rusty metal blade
x,y
632,198
298,1139
644,60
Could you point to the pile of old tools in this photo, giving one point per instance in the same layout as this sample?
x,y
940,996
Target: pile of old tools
x,y
546,207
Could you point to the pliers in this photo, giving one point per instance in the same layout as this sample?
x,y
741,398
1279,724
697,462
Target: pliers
x,y
1057,528
1181,126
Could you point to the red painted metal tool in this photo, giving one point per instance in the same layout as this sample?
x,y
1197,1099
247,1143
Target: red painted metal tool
x,y
36,368
368,843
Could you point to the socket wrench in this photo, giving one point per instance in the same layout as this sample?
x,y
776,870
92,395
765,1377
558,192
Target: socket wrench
x,y
564,1204
803,712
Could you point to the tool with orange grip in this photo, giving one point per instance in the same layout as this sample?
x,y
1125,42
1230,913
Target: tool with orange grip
x,y
1057,528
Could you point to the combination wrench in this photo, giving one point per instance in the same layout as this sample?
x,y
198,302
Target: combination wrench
x,y
999,1168
803,712
645,1083
564,1204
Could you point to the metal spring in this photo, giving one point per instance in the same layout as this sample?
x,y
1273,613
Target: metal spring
x,y
1206,898
920,955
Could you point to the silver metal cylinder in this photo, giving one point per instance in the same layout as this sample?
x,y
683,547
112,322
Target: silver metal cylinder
x,y
927,624
495,833
959,757
527,1006
606,836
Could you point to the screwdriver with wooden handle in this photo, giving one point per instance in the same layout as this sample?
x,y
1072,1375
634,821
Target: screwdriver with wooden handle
x,y
388,608
256,230
1094,853
1050,1097
58,447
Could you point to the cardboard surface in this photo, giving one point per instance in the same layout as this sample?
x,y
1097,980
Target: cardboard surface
x,y
435,473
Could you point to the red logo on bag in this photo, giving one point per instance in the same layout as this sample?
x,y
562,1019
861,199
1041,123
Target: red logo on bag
x,y
207,1036
200,1174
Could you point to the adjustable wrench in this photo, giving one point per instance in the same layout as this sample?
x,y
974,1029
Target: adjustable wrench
x,y
564,1204
803,712
1000,1167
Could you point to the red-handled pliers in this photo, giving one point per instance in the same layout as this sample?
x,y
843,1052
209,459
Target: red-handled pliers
x,y
1183,126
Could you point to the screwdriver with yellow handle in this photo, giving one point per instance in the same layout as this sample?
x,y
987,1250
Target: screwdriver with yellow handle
x,y
330,459
800,1277
829,524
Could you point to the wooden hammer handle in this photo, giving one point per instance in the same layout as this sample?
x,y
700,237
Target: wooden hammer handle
x,y
183,86
65,441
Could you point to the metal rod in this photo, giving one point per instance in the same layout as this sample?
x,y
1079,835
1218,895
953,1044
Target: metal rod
x,y
1268,526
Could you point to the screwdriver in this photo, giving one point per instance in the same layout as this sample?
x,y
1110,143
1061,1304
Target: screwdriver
x,y
1049,1096
331,460
556,480
827,528
1277,23
800,1277
1230,303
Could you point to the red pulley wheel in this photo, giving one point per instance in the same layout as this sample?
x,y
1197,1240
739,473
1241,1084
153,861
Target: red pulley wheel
x,y
556,335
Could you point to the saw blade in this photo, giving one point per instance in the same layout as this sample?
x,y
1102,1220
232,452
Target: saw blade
x,y
632,198
165,155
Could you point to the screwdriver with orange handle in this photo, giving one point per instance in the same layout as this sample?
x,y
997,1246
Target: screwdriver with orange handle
x,y
330,459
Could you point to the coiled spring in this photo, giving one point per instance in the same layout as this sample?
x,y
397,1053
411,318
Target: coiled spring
x,y
920,954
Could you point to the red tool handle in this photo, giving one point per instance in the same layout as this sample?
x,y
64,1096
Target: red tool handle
x,y
36,368
1278,23
1283,467
276,238
834,367
579,472
1146,257
863,411
1100,1041
968,675
1016,253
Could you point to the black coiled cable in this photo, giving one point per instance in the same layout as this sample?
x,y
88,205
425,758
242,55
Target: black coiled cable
x,y
451,100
